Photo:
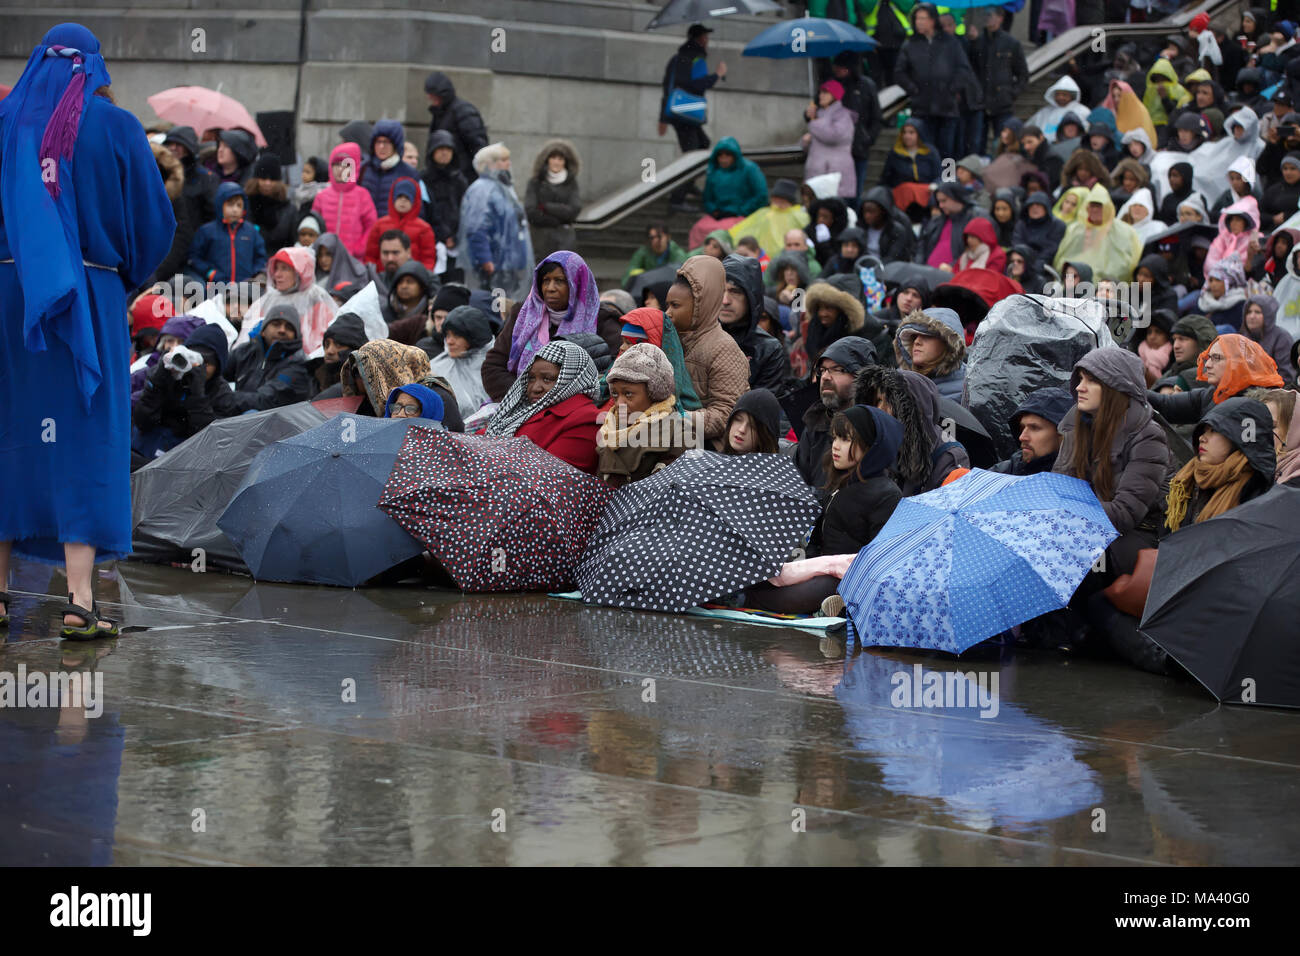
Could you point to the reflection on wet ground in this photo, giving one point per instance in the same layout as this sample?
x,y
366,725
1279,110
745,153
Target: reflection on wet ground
x,y
254,723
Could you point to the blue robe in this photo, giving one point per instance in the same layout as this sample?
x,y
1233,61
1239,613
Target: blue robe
x,y
65,472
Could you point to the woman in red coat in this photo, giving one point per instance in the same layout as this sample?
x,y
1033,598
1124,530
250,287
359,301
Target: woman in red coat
x,y
554,405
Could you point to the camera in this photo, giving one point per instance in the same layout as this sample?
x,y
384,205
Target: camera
x,y
180,360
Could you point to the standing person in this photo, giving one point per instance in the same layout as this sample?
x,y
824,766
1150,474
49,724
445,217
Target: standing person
x,y
552,200
384,165
829,140
71,245
494,240
688,71
999,64
269,208
933,70
862,98
445,183
345,207
459,117
200,184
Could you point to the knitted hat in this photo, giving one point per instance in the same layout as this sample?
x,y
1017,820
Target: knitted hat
x,y
863,423
1199,22
1291,159
647,364
786,189
267,167
286,312
449,297
150,312
835,88
311,221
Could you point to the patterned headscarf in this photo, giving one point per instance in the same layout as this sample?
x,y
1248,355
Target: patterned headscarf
x,y
383,365
578,376
533,324
1230,270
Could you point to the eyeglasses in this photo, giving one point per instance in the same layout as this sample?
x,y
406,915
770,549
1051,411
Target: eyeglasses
x,y
406,411
832,370
1215,359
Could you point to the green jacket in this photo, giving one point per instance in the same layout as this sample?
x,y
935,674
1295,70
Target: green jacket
x,y
643,260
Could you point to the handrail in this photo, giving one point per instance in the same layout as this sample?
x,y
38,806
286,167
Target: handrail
x,y
612,209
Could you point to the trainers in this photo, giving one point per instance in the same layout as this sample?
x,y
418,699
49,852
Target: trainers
x,y
833,606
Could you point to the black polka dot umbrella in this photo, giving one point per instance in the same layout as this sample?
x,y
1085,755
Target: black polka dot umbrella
x,y
498,514
704,527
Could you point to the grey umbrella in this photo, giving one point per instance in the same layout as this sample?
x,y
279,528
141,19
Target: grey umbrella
x,y
697,11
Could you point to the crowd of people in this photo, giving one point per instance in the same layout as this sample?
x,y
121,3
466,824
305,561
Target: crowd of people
x,y
426,287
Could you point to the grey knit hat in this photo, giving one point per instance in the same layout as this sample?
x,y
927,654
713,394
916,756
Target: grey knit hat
x,y
648,364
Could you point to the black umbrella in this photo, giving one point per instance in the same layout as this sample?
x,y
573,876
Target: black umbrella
x,y
697,11
704,527
637,284
968,430
177,498
1224,601
306,510
796,401
895,274
1181,231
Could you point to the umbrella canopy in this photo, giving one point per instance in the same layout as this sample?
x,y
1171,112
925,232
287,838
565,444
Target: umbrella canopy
x,y
1224,601
696,11
966,561
637,284
305,512
1183,232
204,109
895,274
498,514
177,497
705,526
807,37
973,436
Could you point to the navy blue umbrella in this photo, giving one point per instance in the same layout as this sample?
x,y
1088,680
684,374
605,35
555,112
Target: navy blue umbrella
x,y
306,511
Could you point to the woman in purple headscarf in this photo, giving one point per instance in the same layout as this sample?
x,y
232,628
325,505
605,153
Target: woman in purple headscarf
x,y
84,218
563,301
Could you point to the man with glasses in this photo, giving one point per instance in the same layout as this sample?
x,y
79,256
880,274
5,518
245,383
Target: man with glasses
x,y
835,376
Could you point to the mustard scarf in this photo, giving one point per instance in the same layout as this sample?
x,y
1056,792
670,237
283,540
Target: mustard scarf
x,y
611,436
1227,480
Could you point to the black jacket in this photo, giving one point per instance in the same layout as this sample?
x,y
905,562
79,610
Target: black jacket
x,y
1043,236
861,96
769,366
446,186
184,405
267,378
934,73
999,65
678,73
856,513
458,117
897,241
276,218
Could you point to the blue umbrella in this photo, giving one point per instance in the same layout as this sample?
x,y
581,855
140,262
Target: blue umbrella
x,y
964,562
306,510
807,37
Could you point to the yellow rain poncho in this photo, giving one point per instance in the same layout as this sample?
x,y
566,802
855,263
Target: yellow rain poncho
x,y
1080,194
1112,249
769,226
1151,98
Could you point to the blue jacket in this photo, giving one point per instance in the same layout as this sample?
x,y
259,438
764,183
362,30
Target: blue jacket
x,y
228,252
377,180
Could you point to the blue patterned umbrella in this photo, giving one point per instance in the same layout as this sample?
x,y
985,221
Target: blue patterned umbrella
x,y
962,563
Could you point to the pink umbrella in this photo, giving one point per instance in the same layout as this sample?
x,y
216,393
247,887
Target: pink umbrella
x,y
204,109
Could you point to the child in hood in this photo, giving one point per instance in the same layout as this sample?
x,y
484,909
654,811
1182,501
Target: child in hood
x,y
1224,296
228,249
1238,229
644,431
346,209
384,165
755,425
1038,229
445,185
292,273
982,249
404,213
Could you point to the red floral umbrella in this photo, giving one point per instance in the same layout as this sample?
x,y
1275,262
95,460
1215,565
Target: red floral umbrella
x,y
498,514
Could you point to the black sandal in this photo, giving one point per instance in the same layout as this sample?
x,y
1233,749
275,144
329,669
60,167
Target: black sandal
x,y
5,600
90,621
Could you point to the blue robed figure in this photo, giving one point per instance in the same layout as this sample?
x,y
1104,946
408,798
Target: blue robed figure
x,y
84,218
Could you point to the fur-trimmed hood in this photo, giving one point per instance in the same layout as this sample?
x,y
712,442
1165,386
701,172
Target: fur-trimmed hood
x,y
173,173
823,292
554,146
943,324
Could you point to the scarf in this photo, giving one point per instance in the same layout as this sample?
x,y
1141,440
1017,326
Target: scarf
x,y
383,365
532,328
611,436
1226,480
556,178
390,162
578,376
1155,359
660,331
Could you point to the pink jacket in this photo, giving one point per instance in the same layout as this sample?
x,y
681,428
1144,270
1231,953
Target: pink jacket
x,y
831,147
1225,244
347,209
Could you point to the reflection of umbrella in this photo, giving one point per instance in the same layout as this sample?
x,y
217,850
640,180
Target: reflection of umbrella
x,y
973,436
697,11
1007,770
498,514
177,498
305,511
966,561
1224,601
204,109
636,285
704,527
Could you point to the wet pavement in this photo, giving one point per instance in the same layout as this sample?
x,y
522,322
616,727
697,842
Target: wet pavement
x,y
251,723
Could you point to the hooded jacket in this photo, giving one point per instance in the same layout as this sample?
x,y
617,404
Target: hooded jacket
x,y
445,186
904,167
851,353
737,191
1168,211
1162,293
1230,419
859,509
934,73
897,242
312,304
844,298
185,211
949,373
200,184
1201,329
932,228
761,406
458,117
927,421
1148,226
552,207
494,228
379,175
406,324
1049,117
1044,235
1051,404
1227,244
1112,249
348,332
999,64
228,252
346,208
188,404
769,366
1276,342
1141,463
424,244
1175,95
830,146
267,376
718,368
991,256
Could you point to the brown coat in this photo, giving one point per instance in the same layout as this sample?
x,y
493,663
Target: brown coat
x,y
718,368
